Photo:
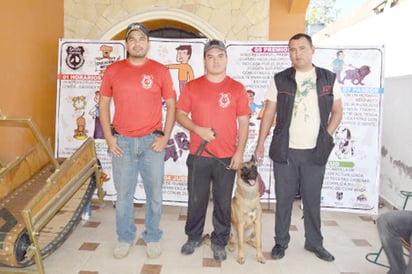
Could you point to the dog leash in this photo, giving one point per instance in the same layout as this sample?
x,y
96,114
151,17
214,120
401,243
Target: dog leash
x,y
198,152
202,148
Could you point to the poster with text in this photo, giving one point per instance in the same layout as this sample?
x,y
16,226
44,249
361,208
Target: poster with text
x,y
184,58
81,65
254,65
352,173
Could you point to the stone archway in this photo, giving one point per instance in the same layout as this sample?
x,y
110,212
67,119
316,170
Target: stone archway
x,y
163,13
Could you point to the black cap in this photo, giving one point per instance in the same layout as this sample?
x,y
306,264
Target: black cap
x,y
214,43
137,26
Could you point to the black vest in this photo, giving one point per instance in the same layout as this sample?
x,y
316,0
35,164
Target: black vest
x,y
286,86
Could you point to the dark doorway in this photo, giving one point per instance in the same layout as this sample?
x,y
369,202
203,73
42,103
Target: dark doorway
x,y
172,29
163,28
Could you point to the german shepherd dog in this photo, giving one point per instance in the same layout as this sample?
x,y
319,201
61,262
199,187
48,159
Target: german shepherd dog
x,y
246,211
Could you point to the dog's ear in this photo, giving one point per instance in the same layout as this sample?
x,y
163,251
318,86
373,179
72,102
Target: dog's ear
x,y
252,159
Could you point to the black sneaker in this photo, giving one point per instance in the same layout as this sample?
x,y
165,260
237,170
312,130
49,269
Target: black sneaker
x,y
190,246
321,252
278,251
219,252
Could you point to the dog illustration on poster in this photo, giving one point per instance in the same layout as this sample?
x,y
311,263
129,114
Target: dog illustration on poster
x,y
356,75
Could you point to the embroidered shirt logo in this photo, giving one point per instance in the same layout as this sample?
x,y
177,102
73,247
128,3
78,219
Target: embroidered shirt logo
x,y
147,81
224,100
327,89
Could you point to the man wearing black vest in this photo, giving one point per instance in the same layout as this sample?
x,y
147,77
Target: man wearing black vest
x,y
306,101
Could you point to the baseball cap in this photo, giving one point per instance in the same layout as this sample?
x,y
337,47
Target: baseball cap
x,y
137,26
214,43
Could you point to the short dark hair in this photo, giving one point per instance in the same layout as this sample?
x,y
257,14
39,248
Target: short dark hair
x,y
302,35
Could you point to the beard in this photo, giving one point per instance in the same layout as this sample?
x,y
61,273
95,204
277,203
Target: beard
x,y
139,54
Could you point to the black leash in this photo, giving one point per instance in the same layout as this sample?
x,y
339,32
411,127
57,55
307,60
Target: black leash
x,y
198,152
202,147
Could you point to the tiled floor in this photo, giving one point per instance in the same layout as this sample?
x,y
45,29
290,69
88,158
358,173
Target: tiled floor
x,y
89,249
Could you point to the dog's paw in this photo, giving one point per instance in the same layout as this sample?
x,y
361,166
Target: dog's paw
x,y
231,247
241,260
261,259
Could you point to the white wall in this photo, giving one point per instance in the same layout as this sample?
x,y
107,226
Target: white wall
x,y
396,156
391,29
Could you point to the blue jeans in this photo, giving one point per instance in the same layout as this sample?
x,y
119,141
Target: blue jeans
x,y
138,158
391,226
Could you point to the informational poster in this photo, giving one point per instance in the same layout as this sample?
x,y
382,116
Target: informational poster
x,y
254,65
80,69
352,174
184,58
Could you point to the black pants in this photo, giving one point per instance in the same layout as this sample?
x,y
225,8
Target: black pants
x,y
202,171
299,171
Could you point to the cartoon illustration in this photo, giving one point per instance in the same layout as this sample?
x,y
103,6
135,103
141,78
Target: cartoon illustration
x,y
357,75
105,60
79,102
262,186
338,64
94,112
106,51
253,105
181,141
185,71
171,151
80,133
345,147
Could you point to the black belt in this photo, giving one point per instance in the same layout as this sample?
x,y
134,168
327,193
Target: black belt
x,y
156,132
